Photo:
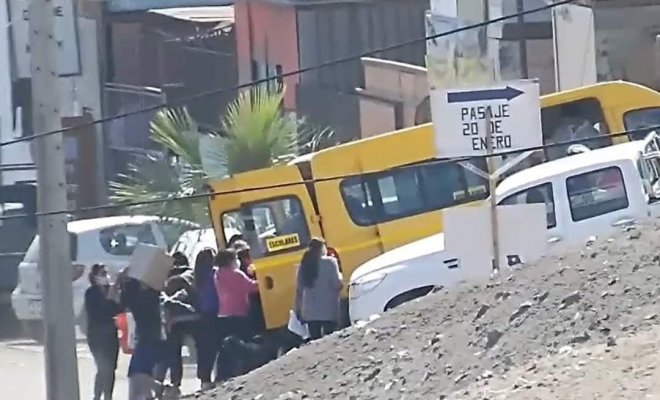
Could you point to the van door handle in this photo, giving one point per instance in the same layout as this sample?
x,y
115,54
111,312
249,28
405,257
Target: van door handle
x,y
624,221
554,239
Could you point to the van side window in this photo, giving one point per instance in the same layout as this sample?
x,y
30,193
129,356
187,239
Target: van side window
x,y
122,240
580,119
411,190
643,121
270,226
596,193
400,193
534,195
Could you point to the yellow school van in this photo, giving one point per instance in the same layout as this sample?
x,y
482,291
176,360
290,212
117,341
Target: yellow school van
x,y
375,194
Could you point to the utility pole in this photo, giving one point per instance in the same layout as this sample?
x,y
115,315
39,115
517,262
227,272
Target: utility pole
x,y
54,259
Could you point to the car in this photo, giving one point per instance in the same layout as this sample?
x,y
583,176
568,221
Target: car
x,y
109,240
595,193
192,242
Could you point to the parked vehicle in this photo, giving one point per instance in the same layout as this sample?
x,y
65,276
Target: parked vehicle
x,y
16,234
590,194
192,242
109,240
382,207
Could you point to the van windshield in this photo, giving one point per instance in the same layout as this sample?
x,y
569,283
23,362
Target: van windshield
x,y
270,226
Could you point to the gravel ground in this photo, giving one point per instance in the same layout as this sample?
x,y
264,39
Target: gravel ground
x,y
523,335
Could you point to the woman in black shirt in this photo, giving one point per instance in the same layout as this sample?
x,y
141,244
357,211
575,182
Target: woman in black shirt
x,y
101,306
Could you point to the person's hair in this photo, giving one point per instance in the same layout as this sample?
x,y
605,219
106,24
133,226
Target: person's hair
x,y
225,257
93,272
203,265
174,284
240,245
235,238
309,265
180,259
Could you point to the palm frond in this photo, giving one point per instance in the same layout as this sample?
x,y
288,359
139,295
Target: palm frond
x,y
155,183
213,156
259,131
177,131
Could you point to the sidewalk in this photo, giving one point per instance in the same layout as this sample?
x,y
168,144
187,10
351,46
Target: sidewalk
x,y
22,374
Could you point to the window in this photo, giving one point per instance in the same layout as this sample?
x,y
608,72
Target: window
x,y
400,193
645,120
122,240
172,231
32,253
534,195
581,119
649,171
270,226
386,196
596,193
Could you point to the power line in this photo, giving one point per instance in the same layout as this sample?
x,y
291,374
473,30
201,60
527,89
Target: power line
x,y
287,74
332,178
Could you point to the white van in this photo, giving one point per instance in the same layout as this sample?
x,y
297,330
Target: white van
x,y
109,240
590,194
192,242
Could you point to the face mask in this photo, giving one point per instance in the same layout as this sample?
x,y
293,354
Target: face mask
x,y
102,281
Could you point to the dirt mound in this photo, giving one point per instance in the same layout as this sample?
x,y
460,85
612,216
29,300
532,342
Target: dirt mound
x,y
459,341
629,370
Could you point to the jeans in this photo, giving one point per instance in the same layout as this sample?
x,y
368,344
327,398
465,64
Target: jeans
x,y
318,329
105,351
146,356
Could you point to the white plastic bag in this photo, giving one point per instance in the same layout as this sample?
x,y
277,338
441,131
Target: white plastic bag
x,y
297,327
131,331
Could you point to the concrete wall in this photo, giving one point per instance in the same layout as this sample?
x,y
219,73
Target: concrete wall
x,y
391,88
626,44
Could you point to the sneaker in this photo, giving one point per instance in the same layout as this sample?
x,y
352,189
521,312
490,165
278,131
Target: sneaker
x,y
207,386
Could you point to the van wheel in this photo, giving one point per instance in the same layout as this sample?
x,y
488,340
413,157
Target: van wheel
x,y
408,296
34,329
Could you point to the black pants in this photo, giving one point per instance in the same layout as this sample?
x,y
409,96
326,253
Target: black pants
x,y
318,329
105,350
206,342
172,359
226,326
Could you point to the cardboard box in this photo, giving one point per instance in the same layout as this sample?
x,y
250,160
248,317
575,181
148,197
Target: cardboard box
x,y
150,264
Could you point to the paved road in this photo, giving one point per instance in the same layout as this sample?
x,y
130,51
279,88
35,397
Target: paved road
x,y
22,375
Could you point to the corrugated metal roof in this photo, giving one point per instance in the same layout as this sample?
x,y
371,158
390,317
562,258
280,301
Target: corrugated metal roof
x,y
213,14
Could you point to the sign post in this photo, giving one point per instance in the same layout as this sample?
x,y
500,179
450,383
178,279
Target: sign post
x,y
486,121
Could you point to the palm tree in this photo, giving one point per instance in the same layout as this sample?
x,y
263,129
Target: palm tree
x,y
253,133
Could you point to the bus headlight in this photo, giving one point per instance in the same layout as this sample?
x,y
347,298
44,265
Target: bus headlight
x,y
364,285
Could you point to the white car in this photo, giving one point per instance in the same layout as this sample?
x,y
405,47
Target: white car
x,y
109,240
192,242
589,194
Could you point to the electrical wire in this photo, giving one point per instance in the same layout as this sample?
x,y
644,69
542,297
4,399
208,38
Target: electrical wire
x,y
332,178
287,74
